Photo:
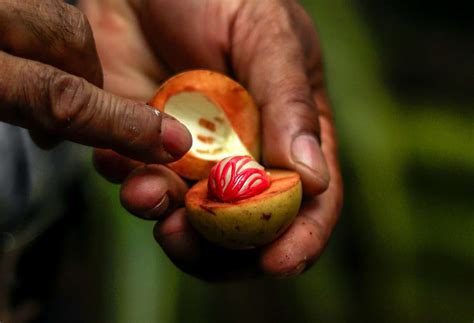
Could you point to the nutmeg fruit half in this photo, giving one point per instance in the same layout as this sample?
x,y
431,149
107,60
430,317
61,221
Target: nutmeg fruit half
x,y
220,114
236,204
245,210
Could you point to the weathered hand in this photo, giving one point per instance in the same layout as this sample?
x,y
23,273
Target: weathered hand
x,y
50,79
271,47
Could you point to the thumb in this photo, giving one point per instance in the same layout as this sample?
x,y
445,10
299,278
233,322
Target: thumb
x,y
272,65
37,96
291,137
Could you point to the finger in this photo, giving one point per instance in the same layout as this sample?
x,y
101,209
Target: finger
x,y
43,140
270,60
207,39
179,240
306,238
194,255
33,94
132,69
152,191
57,34
113,166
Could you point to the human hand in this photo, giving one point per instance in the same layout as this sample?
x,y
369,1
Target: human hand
x,y
269,46
50,79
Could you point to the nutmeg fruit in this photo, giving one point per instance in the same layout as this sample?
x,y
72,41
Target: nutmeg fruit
x,y
220,114
240,205
247,210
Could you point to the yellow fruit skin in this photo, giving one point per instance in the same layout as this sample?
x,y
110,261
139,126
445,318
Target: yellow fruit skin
x,y
247,223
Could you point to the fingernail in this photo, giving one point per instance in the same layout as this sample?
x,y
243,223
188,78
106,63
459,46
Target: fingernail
x,y
307,152
295,272
176,137
159,209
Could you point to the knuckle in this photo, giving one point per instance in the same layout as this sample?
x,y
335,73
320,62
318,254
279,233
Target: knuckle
x,y
293,88
79,44
134,123
77,31
276,20
278,23
72,32
56,25
265,23
69,97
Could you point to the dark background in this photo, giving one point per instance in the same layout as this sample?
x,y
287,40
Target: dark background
x,y
401,79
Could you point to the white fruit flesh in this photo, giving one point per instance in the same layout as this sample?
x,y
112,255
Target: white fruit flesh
x,y
213,136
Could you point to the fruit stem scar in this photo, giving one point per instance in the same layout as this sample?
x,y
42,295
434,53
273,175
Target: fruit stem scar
x,y
209,125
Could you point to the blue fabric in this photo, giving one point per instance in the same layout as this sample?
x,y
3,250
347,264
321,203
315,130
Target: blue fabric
x,y
15,175
32,181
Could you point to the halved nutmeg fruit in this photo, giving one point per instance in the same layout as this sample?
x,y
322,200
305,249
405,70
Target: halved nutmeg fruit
x,y
242,206
237,203
220,114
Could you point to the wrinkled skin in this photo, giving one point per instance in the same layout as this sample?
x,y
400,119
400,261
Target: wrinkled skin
x,y
50,79
269,46
50,83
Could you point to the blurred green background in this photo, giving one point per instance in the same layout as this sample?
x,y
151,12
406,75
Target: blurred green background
x,y
403,250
